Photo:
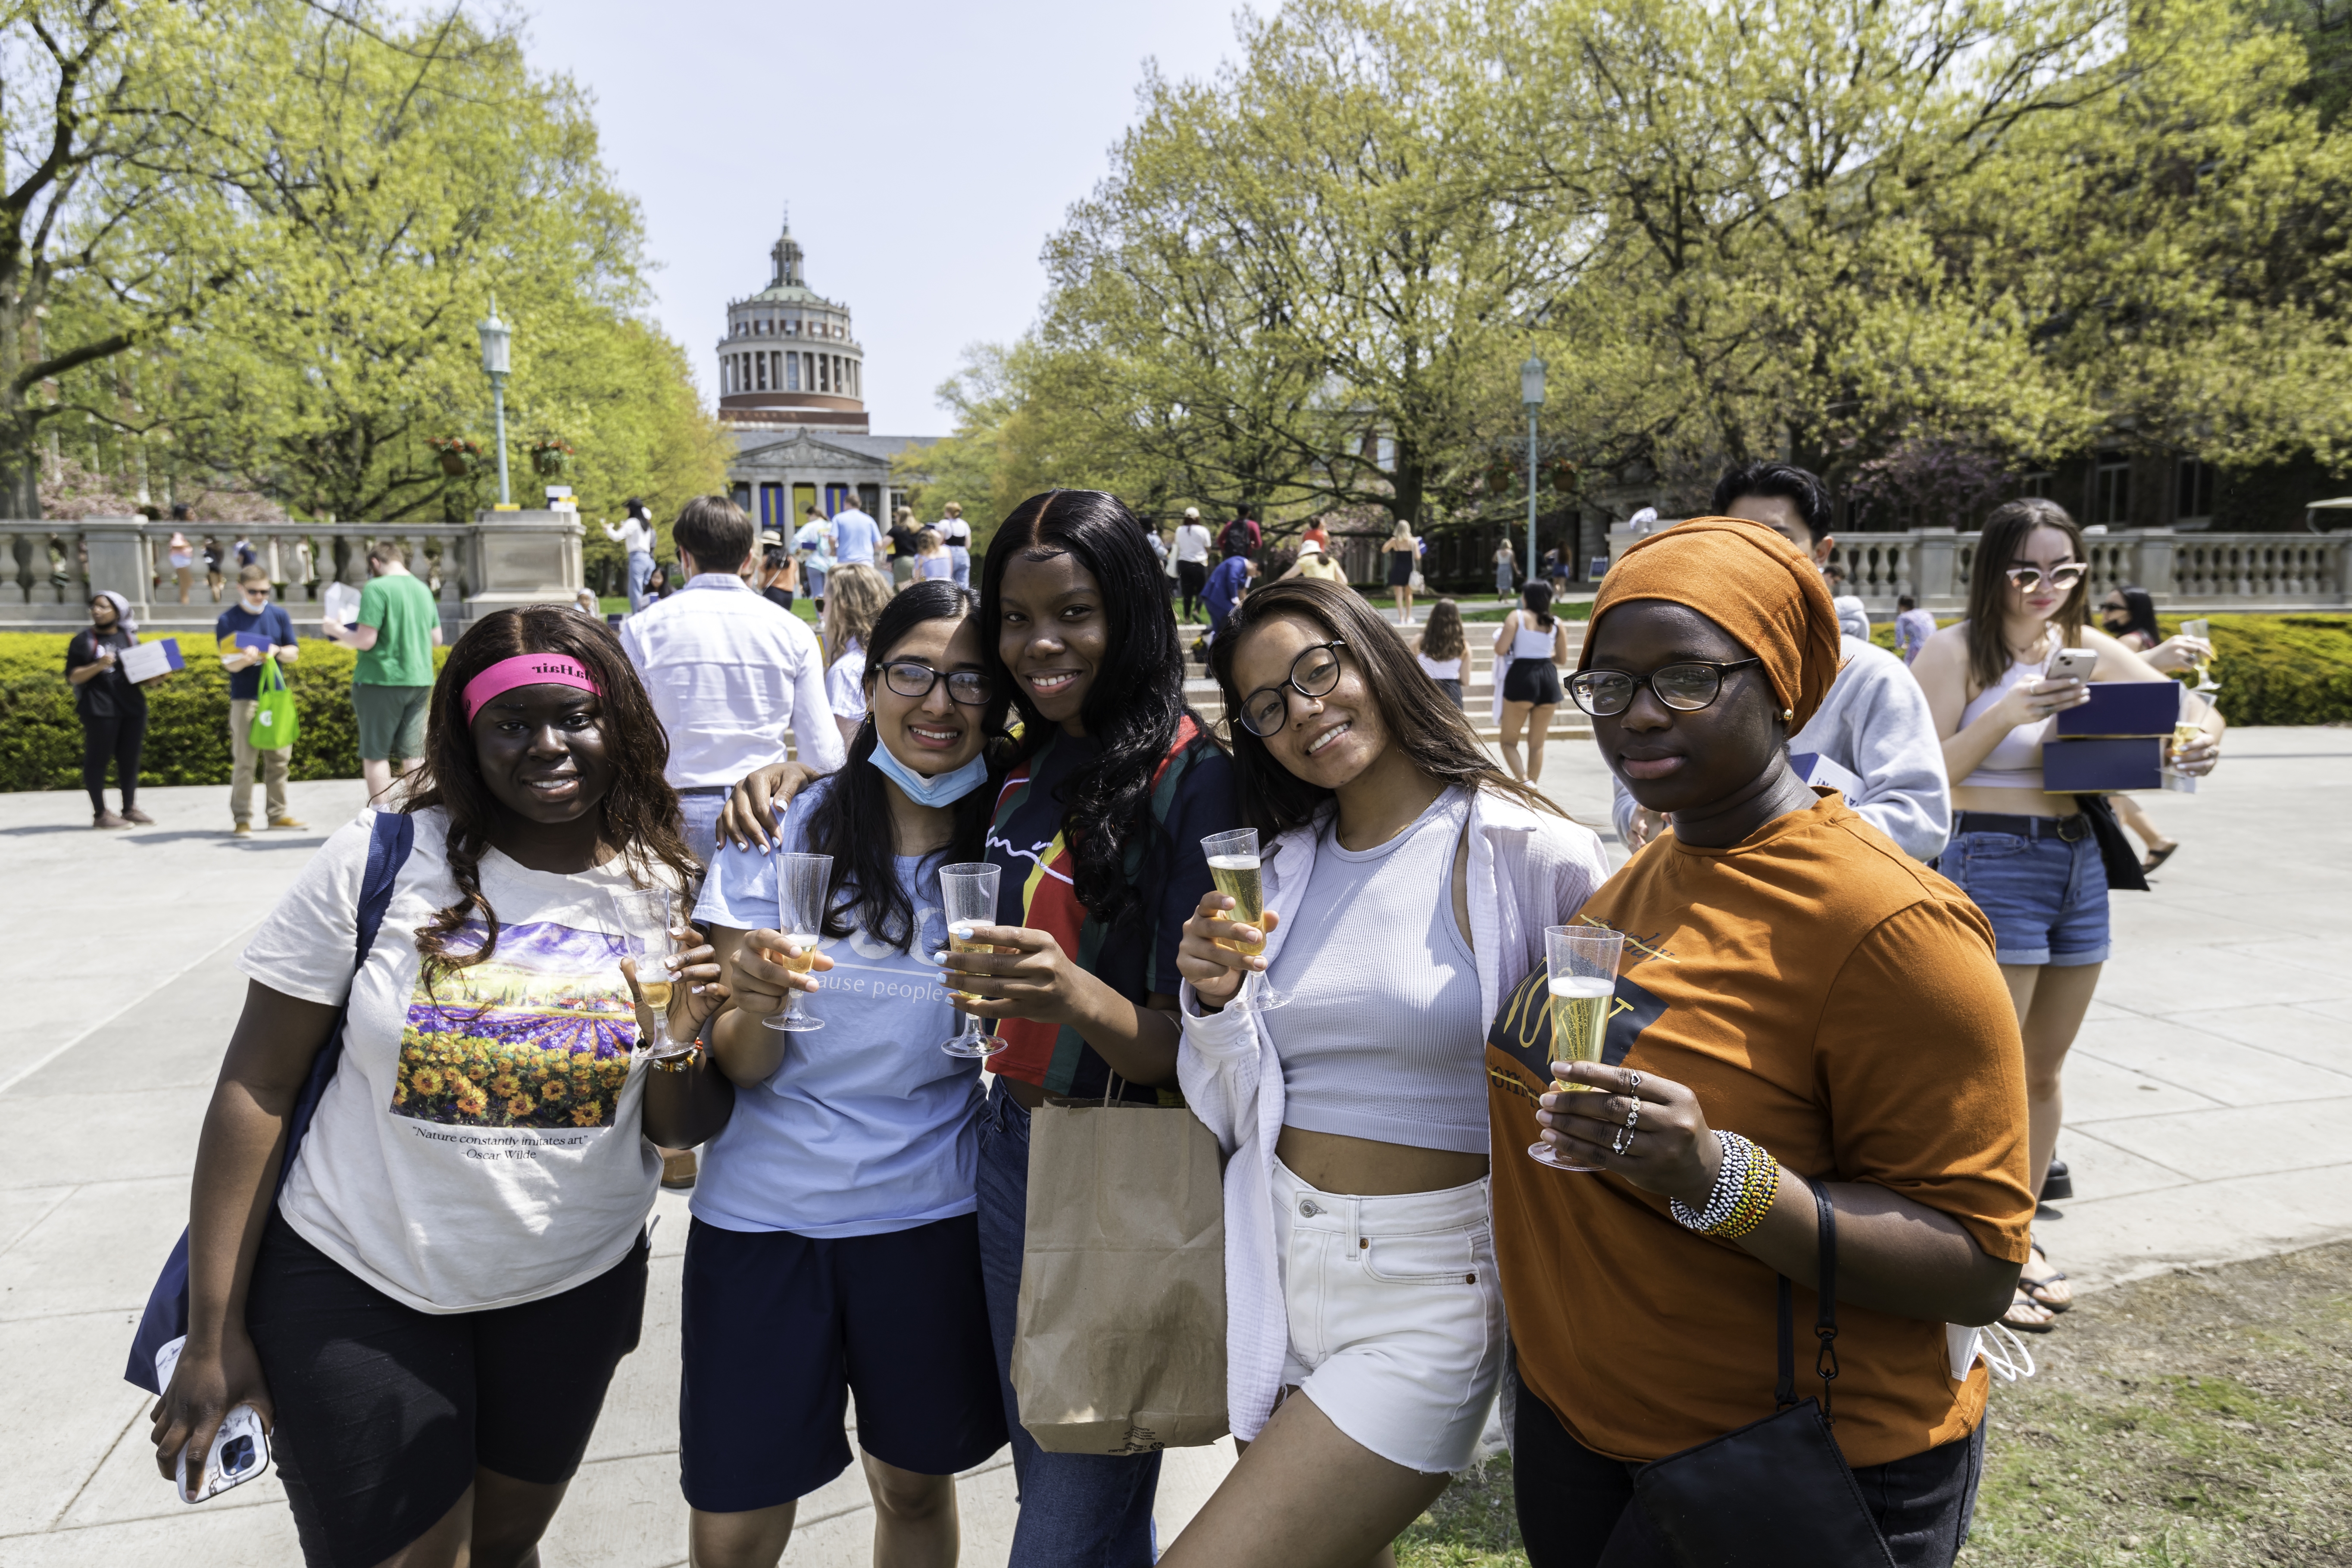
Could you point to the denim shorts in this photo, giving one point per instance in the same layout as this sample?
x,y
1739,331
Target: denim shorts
x,y
2047,898
1395,1313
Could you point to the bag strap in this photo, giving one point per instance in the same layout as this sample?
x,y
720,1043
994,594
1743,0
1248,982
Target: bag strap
x,y
1825,1361
1784,1394
389,839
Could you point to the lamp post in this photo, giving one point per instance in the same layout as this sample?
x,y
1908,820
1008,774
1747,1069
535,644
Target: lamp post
x,y
1531,394
496,365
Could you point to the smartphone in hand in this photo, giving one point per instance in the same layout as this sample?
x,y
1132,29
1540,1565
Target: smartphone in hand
x,y
2073,664
240,1449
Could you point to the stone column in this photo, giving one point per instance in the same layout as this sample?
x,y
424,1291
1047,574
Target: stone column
x,y
117,559
524,558
2154,563
1935,562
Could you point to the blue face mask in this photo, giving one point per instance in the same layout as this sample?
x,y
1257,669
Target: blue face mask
x,y
942,789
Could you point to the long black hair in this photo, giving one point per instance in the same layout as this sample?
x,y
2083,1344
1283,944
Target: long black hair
x,y
852,820
1421,720
1137,702
640,810
2139,614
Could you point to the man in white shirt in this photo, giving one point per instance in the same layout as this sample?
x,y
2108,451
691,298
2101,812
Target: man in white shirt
x,y
728,672
635,537
855,537
1192,545
1874,726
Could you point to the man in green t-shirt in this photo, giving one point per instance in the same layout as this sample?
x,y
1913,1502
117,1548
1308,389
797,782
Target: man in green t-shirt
x,y
399,626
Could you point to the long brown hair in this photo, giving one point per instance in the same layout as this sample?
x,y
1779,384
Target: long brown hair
x,y
640,811
2004,533
1421,718
1442,637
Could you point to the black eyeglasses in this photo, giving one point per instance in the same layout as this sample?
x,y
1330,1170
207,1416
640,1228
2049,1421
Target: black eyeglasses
x,y
1313,673
1685,688
966,688
2029,578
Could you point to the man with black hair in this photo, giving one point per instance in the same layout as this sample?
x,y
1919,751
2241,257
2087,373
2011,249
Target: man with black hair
x,y
1872,737
729,671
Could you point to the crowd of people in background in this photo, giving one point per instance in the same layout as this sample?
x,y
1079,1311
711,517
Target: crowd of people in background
x,y
1457,1201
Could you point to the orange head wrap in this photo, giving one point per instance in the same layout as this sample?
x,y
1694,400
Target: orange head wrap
x,y
1747,580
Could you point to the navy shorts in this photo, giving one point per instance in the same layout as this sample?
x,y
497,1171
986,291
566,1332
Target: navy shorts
x,y
2047,898
782,1329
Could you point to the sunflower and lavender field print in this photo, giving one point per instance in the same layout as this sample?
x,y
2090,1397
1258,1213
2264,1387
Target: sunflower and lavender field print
x,y
539,1034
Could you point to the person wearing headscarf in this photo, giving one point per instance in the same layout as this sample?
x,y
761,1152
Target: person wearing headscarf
x,y
113,710
1799,1006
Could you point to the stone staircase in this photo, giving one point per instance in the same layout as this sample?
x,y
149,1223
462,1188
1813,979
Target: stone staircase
x,y
1567,721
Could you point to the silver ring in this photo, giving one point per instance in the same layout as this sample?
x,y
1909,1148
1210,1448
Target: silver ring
x,y
1624,1136
1632,1082
1634,1116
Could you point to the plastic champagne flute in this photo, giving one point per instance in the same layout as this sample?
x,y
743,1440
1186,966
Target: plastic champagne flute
x,y
968,895
1582,965
648,921
1233,866
801,881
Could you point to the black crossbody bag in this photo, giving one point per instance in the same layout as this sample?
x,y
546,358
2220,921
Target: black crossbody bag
x,y
1775,1493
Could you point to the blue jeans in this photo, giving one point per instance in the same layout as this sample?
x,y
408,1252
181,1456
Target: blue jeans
x,y
1077,1511
641,568
2047,898
699,821
959,563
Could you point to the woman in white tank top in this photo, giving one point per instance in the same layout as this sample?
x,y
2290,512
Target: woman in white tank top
x,y
2029,860
1405,892
1529,648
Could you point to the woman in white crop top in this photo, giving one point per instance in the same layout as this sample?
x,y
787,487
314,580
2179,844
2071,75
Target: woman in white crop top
x,y
1529,648
2028,858
1407,885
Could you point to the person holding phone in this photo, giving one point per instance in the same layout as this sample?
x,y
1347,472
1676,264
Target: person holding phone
x,y
1096,830
836,1247
2028,858
427,1314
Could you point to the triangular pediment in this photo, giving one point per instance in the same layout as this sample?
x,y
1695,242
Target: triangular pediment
x,y
802,451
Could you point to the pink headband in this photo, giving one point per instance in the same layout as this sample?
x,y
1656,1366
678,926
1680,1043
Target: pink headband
x,y
525,670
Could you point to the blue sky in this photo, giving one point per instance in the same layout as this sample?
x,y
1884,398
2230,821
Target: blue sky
x,y
927,149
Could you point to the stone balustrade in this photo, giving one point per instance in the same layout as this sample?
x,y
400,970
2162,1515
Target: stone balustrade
x,y
48,570
2184,572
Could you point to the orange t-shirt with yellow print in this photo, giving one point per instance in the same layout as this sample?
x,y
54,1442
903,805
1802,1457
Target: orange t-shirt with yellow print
x,y
1838,1004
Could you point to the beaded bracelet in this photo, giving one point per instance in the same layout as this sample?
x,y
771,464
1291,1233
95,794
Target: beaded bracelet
x,y
1746,1183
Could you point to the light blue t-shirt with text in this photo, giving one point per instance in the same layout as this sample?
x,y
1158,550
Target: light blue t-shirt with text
x,y
867,1126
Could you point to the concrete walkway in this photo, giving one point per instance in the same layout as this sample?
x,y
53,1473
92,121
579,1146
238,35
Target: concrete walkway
x,y
2211,1098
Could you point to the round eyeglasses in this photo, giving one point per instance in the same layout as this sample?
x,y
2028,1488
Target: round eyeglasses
x,y
1313,673
966,688
1685,688
2029,578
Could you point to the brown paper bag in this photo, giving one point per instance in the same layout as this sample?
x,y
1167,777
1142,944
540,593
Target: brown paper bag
x,y
1120,1345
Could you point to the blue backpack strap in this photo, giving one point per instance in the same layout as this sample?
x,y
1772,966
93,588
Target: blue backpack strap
x,y
389,839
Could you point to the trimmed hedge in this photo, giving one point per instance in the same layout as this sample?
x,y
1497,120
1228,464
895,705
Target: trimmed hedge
x,y
2273,669
187,715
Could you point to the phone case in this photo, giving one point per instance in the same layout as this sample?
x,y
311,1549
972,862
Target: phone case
x,y
240,1449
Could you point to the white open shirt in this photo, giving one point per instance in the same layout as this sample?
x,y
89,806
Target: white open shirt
x,y
729,673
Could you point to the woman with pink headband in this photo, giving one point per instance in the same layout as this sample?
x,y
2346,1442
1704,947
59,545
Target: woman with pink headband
x,y
426,1310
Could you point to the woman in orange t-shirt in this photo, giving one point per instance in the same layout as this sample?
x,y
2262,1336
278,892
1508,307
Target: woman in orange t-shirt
x,y
1799,1004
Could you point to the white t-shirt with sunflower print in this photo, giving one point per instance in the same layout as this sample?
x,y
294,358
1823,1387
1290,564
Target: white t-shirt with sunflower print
x,y
478,1145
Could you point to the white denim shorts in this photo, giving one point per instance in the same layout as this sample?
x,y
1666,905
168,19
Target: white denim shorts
x,y
1396,1316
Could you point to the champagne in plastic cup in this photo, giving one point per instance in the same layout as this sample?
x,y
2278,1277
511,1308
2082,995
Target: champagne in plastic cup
x,y
1582,966
968,897
1235,868
802,882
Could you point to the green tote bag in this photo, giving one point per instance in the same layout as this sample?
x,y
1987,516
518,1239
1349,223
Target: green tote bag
x,y
274,723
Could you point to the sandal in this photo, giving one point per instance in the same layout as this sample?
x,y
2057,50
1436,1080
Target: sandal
x,y
2021,1318
2157,856
2037,1289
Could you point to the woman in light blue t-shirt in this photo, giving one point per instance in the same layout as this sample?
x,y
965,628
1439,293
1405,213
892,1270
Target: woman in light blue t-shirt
x,y
835,1248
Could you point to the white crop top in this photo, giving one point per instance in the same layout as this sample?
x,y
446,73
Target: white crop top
x,y
1384,1037
1441,668
2016,762
1528,643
